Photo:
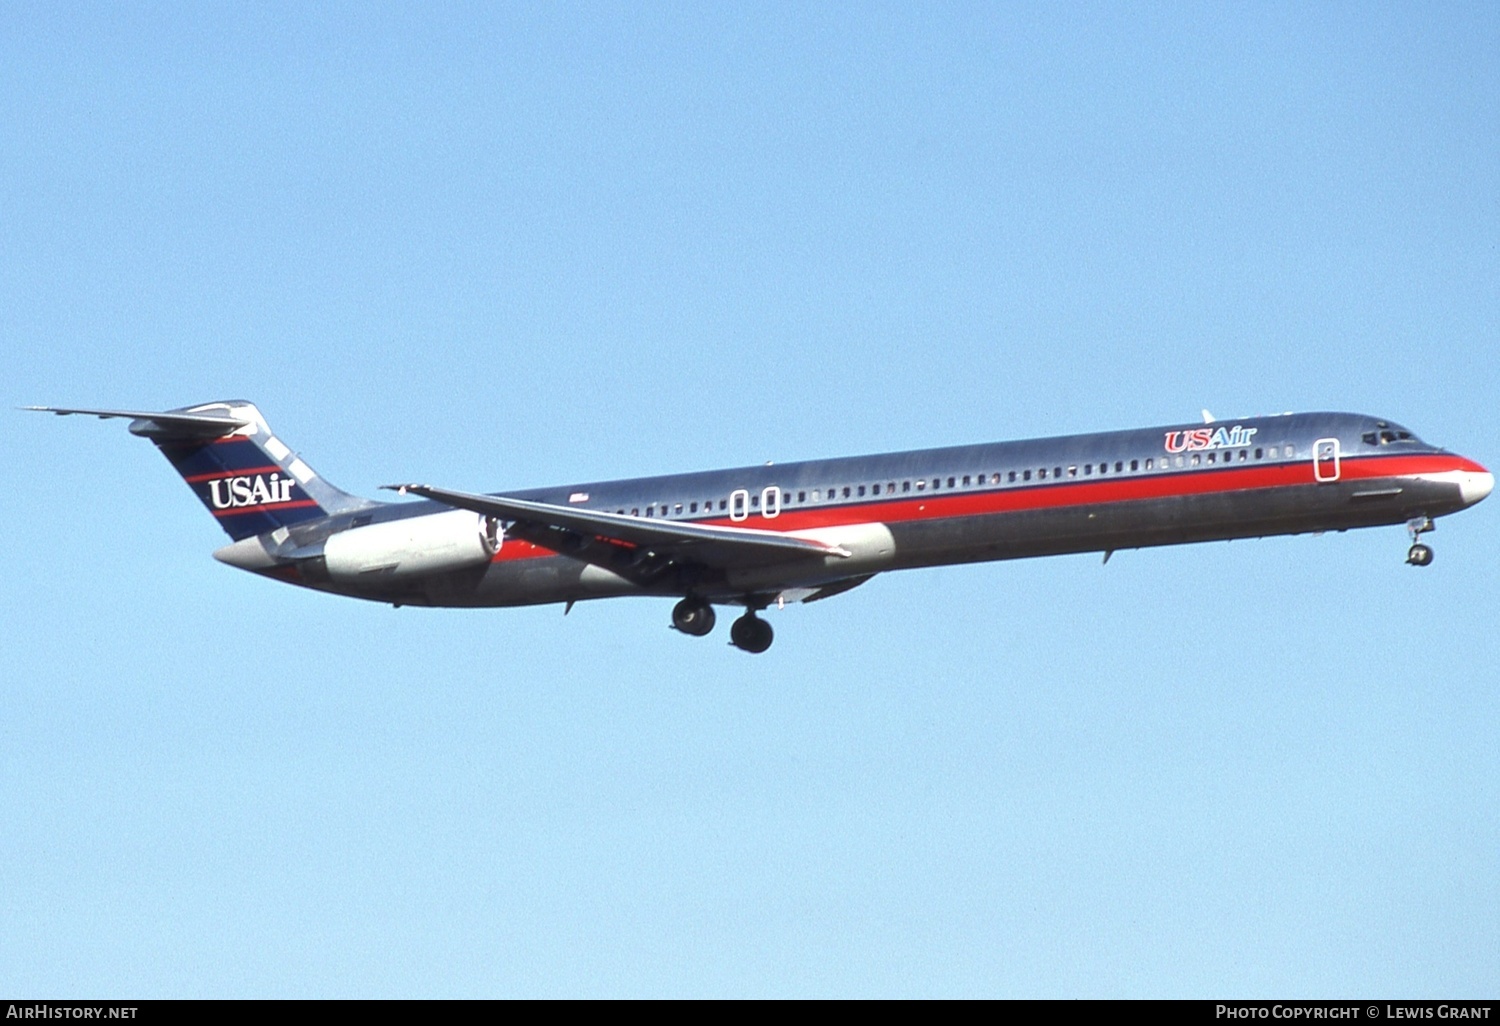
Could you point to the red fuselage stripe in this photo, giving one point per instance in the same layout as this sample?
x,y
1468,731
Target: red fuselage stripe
x,y
1074,491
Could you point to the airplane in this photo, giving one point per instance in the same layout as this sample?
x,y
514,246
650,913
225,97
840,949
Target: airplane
x,y
797,532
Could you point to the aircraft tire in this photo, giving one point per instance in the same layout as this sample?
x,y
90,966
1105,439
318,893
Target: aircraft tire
x,y
751,634
694,617
1419,555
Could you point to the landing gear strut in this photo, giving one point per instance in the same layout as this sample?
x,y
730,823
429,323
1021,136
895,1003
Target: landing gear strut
x,y
693,616
1419,554
750,633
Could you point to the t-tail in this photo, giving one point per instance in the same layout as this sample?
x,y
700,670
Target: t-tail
x,y
243,474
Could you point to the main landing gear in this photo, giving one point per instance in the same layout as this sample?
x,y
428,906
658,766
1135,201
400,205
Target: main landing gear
x,y
749,633
693,616
1419,554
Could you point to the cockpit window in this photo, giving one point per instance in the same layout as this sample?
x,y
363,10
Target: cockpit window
x,y
1387,436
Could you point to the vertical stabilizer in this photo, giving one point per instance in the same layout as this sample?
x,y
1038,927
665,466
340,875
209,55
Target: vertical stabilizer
x,y
249,479
243,474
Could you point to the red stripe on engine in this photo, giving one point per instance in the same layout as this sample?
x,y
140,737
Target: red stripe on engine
x,y
515,548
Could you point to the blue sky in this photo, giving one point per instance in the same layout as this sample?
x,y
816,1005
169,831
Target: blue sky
x,y
497,247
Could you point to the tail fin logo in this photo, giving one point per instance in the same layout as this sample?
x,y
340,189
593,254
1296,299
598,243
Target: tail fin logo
x,y
238,492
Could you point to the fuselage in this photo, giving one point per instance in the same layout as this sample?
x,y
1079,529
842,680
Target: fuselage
x,y
1096,492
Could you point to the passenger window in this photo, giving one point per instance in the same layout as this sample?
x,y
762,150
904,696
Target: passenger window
x,y
1120,466
1088,469
1148,463
966,480
861,491
1012,477
1026,475
846,491
906,486
1042,474
1072,471
950,482
1135,465
1057,471
922,485
693,508
1258,453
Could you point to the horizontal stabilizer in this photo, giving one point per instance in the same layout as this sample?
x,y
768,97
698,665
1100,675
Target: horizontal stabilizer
x,y
181,425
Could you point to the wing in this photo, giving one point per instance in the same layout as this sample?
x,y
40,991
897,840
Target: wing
x,y
569,530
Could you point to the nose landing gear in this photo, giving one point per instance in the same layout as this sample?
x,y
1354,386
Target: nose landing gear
x,y
1419,554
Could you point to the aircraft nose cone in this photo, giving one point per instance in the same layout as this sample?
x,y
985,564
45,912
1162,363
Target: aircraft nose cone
x,y
1476,486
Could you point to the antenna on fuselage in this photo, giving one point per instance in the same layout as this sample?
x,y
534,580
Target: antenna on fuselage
x,y
1208,418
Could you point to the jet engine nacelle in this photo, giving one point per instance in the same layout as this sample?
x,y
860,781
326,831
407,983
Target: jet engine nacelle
x,y
453,540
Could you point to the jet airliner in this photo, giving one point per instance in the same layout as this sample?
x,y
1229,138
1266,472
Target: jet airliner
x,y
767,535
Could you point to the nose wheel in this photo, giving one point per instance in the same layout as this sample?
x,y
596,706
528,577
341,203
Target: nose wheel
x,y
1419,554
750,633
